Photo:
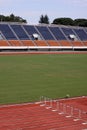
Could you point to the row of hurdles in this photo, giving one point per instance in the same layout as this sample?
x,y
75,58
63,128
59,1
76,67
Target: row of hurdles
x,y
61,106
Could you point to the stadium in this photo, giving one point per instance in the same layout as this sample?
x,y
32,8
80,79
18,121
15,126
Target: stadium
x,y
43,83
23,37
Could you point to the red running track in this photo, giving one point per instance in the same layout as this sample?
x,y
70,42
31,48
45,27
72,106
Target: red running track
x,y
36,117
43,52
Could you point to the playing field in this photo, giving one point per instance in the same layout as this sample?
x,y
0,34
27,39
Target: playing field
x,y
24,78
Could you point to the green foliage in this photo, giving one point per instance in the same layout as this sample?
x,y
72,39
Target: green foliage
x,y
69,21
44,19
63,21
12,18
24,78
80,22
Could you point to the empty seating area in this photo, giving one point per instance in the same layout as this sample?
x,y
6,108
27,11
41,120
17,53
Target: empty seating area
x,y
16,35
65,43
77,43
85,43
53,43
19,31
15,43
7,32
4,43
58,34
41,43
28,43
81,34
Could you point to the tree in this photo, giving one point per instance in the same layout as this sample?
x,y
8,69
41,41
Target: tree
x,y
69,21
44,19
63,21
12,18
2,18
80,22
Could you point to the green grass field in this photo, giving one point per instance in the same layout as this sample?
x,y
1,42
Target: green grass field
x,y
24,78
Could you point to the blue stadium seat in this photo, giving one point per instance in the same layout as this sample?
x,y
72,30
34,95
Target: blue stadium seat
x,y
20,32
45,32
68,31
57,33
7,32
81,34
31,30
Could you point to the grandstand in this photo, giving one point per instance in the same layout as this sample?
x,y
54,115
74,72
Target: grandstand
x,y
23,37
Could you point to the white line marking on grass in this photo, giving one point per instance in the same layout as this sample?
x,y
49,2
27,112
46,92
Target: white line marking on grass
x,y
13,105
72,98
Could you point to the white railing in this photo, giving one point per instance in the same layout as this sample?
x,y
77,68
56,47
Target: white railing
x,y
43,47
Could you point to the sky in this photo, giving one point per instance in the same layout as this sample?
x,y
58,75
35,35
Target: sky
x,y
31,10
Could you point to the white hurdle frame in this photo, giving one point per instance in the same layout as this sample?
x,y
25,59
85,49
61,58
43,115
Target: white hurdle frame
x,y
43,101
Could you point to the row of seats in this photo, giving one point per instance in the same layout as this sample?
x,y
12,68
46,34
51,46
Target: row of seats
x,y
25,32
41,43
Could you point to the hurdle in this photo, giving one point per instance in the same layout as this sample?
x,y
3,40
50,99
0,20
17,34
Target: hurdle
x,y
71,112
79,115
49,105
42,101
45,101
